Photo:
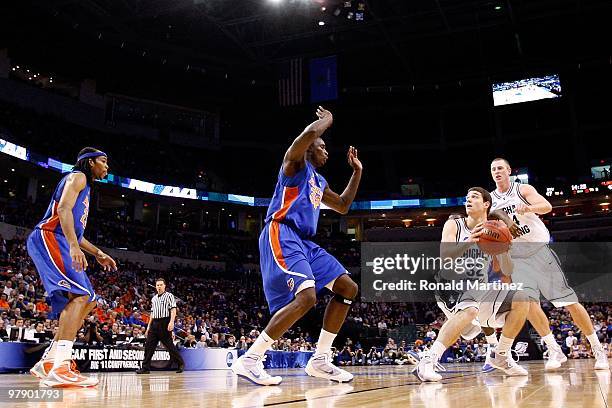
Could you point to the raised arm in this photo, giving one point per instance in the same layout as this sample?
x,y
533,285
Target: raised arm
x,y
294,157
342,202
537,203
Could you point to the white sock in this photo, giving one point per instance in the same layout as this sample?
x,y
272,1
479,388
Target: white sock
x,y
49,353
504,345
595,344
62,353
325,342
549,339
492,340
437,350
261,345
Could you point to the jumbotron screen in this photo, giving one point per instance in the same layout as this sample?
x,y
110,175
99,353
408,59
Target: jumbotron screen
x,y
526,90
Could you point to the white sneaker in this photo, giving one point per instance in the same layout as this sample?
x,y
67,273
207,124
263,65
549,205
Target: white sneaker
x,y
251,367
320,365
601,360
425,370
67,376
41,369
506,364
555,359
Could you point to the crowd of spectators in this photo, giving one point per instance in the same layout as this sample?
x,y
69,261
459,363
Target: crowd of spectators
x,y
213,311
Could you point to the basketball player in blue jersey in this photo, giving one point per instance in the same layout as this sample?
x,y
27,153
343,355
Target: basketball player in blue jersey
x,y
294,268
56,246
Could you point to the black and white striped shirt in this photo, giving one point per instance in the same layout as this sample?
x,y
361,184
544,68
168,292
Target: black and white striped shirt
x,y
162,304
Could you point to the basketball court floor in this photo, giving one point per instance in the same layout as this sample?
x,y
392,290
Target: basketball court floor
x,y
577,385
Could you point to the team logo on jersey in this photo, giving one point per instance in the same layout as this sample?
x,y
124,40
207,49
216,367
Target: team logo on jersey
x,y
291,284
85,211
315,193
64,284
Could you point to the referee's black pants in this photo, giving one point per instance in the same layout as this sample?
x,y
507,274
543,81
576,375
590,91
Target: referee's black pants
x,y
159,332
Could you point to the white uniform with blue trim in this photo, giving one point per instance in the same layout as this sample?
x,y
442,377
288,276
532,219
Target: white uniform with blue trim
x,y
535,264
451,302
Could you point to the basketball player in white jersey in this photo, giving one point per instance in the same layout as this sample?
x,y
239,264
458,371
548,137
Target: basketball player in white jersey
x,y
536,265
459,239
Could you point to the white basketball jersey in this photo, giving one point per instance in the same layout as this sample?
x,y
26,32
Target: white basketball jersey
x,y
532,229
474,252
463,232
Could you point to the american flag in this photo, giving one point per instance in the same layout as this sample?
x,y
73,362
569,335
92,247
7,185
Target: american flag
x,y
290,83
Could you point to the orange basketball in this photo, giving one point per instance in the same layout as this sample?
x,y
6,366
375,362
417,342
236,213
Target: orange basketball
x,y
495,238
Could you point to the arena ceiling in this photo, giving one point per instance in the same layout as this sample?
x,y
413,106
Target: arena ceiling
x,y
407,41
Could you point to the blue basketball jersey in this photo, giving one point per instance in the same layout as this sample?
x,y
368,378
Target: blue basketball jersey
x,y
297,200
80,211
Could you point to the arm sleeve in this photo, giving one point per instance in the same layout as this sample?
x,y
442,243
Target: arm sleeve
x,y
172,301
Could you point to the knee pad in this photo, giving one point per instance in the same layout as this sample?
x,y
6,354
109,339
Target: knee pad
x,y
342,300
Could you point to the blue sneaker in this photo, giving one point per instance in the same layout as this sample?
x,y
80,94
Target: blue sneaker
x,y
487,367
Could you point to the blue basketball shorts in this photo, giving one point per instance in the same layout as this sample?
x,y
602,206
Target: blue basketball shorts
x,y
290,264
51,255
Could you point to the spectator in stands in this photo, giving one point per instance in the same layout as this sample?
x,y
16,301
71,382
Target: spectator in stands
x,y
107,335
230,341
202,343
359,358
431,334
139,336
20,302
468,353
382,328
481,352
373,357
8,288
40,334
92,333
4,304
574,349
584,349
214,340
3,332
346,356
570,340
16,330
190,342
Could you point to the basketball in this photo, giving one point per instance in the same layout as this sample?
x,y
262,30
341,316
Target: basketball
x,y
495,238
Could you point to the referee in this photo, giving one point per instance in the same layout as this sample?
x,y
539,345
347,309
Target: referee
x,y
161,324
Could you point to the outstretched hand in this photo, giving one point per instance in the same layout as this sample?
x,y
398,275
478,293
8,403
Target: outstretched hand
x,y
324,114
107,263
353,159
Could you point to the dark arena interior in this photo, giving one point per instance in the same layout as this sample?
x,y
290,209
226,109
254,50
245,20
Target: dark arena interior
x,y
266,182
